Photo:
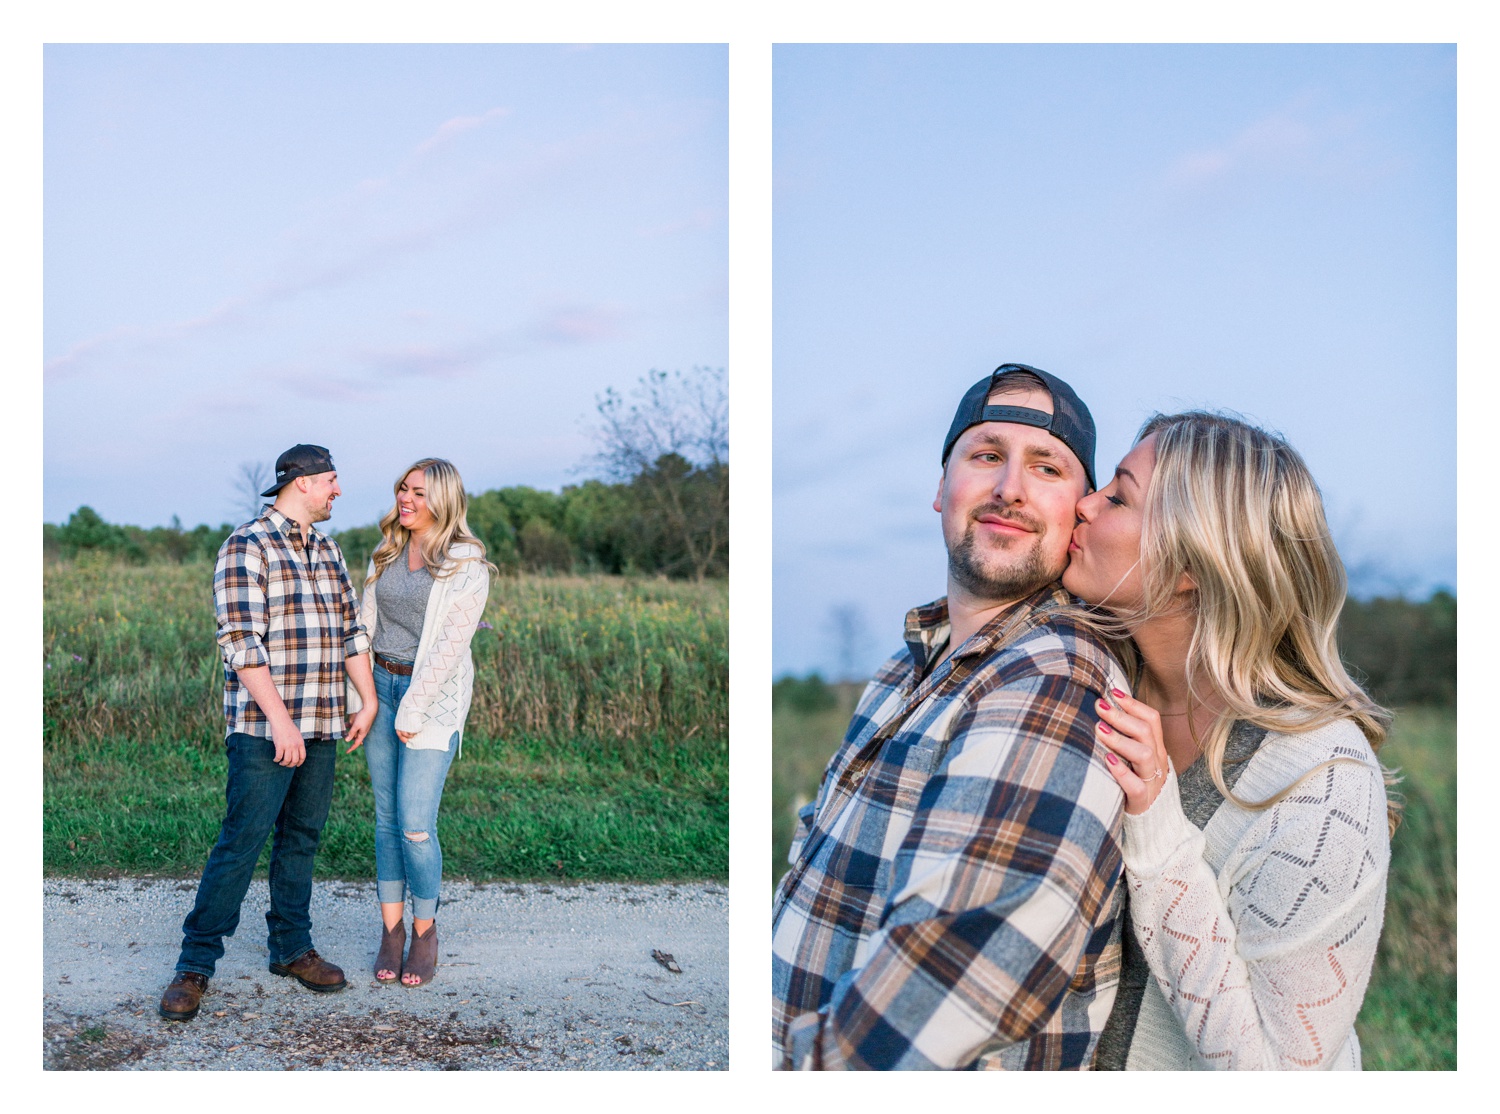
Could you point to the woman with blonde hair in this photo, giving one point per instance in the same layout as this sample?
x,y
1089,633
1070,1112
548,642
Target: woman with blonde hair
x,y
423,598
1257,829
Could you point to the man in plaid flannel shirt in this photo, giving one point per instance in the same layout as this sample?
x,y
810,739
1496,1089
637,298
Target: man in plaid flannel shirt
x,y
954,899
289,632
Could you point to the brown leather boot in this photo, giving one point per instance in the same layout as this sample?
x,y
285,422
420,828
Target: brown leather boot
x,y
421,958
392,944
312,971
179,1002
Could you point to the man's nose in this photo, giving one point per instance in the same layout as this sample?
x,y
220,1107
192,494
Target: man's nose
x,y
1009,486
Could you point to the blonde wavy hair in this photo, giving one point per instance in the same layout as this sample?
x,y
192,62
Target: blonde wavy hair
x,y
1236,509
449,505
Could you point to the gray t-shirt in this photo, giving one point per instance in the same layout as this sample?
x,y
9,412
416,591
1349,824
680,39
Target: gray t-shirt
x,y
400,606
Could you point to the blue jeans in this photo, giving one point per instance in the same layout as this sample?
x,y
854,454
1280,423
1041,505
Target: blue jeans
x,y
261,797
408,787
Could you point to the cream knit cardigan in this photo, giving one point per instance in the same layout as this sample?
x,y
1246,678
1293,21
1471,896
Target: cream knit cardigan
x,y
1260,930
442,681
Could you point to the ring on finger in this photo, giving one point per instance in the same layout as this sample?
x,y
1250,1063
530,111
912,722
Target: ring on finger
x,y
1153,777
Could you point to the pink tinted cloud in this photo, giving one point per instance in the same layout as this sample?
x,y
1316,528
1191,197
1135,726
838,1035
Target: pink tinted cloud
x,y
365,255
424,361
578,324
76,358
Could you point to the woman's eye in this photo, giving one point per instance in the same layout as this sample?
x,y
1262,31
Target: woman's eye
x,y
1116,500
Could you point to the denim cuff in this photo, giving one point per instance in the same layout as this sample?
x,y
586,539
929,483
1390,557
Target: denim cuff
x,y
390,891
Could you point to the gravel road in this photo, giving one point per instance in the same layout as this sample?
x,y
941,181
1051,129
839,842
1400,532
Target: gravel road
x,y
532,976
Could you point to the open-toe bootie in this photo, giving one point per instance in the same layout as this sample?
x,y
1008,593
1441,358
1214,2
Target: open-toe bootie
x,y
392,944
421,960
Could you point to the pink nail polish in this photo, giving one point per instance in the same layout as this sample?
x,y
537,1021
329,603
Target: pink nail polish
x,y
1104,705
1111,759
1118,693
1106,728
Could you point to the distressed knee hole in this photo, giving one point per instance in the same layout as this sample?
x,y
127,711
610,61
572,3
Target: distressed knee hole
x,y
415,837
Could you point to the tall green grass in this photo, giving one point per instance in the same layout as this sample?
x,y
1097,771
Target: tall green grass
x,y
596,746
1409,1020
1409,1017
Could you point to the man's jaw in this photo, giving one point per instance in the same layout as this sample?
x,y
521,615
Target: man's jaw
x,y
1019,576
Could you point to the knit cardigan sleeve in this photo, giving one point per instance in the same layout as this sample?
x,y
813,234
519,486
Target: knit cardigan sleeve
x,y
432,677
1265,964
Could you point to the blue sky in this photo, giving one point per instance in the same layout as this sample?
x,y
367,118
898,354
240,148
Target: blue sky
x,y
394,251
1267,229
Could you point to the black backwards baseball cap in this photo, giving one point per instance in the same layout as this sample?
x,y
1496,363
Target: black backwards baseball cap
x,y
299,460
1070,421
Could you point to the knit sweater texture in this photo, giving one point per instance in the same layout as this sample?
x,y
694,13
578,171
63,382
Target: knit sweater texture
x,y
1261,929
442,682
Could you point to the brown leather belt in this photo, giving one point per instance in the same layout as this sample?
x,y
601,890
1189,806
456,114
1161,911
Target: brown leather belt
x,y
395,667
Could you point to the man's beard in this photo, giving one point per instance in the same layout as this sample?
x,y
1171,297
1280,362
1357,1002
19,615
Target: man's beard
x,y
1010,582
322,513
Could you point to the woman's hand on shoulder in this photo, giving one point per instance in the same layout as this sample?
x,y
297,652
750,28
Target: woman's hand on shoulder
x,y
1137,754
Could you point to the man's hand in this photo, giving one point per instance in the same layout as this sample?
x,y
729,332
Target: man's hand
x,y
290,748
359,726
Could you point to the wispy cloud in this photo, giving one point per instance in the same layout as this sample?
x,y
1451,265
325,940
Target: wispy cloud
x,y
367,372
1294,138
78,355
426,361
491,197
330,259
448,129
578,324
360,260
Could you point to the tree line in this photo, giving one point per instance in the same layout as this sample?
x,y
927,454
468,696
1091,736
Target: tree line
x,y
1405,652
661,508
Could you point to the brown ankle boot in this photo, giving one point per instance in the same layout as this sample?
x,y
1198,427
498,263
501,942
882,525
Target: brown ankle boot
x,y
179,1002
392,944
421,960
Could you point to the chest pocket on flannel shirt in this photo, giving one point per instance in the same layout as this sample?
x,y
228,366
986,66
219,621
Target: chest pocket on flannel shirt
x,y
325,582
915,770
925,756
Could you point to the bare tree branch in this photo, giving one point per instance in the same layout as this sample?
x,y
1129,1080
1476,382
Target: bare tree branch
x,y
250,480
664,413
669,439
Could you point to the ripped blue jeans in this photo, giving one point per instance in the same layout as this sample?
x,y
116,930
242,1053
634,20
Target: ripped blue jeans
x,y
408,787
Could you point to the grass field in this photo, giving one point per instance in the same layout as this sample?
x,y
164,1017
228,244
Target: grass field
x,y
1409,1017
596,747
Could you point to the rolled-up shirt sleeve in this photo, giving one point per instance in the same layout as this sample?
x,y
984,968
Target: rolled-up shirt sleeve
x,y
1010,861
240,603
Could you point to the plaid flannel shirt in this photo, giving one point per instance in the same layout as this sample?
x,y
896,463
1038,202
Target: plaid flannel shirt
x,y
287,605
954,899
